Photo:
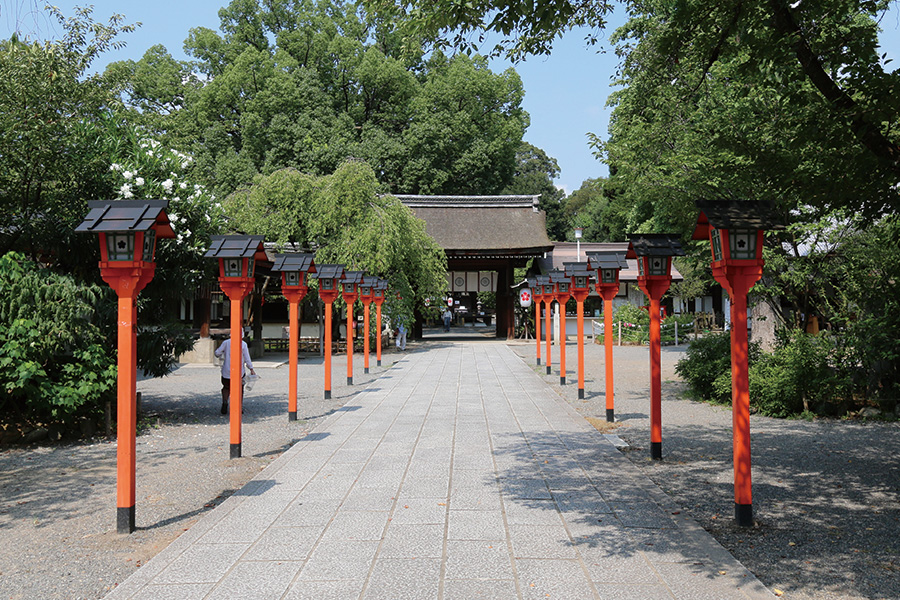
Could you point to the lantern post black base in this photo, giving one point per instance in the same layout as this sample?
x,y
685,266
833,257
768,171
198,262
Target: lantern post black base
x,y
610,415
548,369
581,393
366,370
235,451
743,514
656,450
378,363
292,415
538,361
328,394
349,381
124,519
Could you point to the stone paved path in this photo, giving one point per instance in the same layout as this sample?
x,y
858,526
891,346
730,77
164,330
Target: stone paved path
x,y
459,474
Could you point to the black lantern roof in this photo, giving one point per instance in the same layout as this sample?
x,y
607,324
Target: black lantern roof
x,y
727,213
531,281
127,215
304,263
236,246
354,276
557,276
654,244
577,269
382,284
329,272
607,260
370,281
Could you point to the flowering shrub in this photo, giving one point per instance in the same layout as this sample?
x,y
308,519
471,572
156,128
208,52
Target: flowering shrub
x,y
153,171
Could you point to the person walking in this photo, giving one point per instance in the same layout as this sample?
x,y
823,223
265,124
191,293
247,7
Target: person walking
x,y
401,336
225,351
448,316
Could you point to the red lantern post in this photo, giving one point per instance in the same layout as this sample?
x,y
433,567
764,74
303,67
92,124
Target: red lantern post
x,y
380,292
654,254
561,294
328,276
548,292
608,266
128,230
293,268
580,277
350,292
735,231
367,295
537,295
237,256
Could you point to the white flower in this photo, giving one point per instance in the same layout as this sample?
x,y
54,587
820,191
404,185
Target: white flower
x,y
182,185
173,218
127,174
150,153
185,165
196,186
115,167
139,181
125,191
167,185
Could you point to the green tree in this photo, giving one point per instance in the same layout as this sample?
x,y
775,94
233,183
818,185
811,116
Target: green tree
x,y
535,172
52,159
306,85
348,221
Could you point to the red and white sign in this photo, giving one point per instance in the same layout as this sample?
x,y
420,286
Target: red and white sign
x,y
525,297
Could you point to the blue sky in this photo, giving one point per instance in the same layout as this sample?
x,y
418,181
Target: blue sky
x,y
565,93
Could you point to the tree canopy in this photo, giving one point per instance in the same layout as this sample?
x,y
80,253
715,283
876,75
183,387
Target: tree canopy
x,y
306,85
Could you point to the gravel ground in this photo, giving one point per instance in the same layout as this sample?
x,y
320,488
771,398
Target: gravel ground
x,y
825,493
58,501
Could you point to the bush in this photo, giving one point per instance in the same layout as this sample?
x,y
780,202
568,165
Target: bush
x,y
55,364
798,376
707,363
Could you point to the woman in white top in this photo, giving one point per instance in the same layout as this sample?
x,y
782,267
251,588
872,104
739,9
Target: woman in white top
x,y
225,351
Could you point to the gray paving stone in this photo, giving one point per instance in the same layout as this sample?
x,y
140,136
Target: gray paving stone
x,y
542,579
531,512
305,514
541,541
708,582
478,560
347,559
475,525
479,589
267,580
472,499
425,487
420,511
615,591
178,591
413,541
642,514
404,579
284,543
356,525
621,567
202,563
342,589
